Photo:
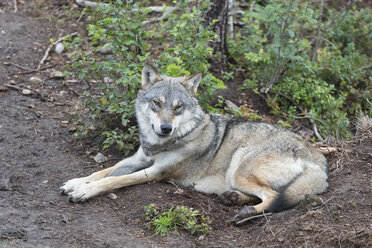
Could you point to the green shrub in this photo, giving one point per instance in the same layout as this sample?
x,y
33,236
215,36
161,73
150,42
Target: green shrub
x,y
303,59
186,49
119,27
180,217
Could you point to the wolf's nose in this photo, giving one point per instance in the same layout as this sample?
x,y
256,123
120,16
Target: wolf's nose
x,y
166,128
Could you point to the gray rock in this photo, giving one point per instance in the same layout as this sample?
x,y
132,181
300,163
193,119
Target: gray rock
x,y
112,196
56,74
100,158
26,92
35,80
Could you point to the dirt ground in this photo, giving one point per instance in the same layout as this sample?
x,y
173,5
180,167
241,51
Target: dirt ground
x,y
37,154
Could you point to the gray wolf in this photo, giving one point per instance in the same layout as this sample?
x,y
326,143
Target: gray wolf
x,y
238,160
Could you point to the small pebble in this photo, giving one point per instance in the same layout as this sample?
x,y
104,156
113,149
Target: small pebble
x,y
35,80
112,196
26,92
72,130
56,74
100,158
60,48
3,88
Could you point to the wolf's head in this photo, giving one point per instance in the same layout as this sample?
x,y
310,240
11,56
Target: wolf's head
x,y
166,106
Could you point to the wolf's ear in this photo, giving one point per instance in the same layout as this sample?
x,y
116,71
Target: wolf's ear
x,y
191,83
149,76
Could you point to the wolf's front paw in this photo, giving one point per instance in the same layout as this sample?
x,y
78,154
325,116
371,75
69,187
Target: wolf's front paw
x,y
83,192
70,185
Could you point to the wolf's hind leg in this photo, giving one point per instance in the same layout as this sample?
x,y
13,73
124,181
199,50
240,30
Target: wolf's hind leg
x,y
251,185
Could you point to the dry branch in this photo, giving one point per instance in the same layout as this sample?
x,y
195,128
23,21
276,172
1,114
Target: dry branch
x,y
166,11
46,54
85,3
15,6
244,221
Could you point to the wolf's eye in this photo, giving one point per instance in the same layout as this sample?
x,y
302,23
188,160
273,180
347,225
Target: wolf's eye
x,y
157,103
178,107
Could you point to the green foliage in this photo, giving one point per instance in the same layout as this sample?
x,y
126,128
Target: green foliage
x,y
118,27
186,50
303,57
176,218
283,124
316,100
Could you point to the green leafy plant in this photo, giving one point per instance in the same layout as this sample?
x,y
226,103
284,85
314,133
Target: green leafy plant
x,y
283,124
118,27
176,218
301,57
186,48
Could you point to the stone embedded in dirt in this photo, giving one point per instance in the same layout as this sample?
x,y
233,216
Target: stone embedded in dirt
x,y
112,196
201,237
5,185
35,80
59,48
3,88
56,74
72,130
100,158
65,219
26,92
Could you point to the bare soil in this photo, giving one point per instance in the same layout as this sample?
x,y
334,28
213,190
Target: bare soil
x,y
37,154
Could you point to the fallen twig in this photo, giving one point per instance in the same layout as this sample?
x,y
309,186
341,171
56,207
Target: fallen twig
x,y
46,54
323,203
16,65
166,11
85,3
15,6
242,222
33,70
13,87
263,228
23,91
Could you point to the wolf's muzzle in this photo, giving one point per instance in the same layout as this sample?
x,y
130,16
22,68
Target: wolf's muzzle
x,y
166,128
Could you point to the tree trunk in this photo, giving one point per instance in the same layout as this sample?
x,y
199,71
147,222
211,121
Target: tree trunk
x,y
219,10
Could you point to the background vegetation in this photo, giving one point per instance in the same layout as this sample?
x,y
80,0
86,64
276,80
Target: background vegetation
x,y
310,60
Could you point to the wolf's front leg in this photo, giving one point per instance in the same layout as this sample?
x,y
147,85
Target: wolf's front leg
x,y
127,166
87,190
